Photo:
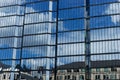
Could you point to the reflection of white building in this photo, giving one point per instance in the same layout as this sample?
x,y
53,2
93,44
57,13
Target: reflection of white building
x,y
5,73
41,73
101,70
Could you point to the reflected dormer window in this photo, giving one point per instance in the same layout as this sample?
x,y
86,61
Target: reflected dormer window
x,y
4,76
68,70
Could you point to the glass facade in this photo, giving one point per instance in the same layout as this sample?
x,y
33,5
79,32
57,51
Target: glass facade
x,y
41,39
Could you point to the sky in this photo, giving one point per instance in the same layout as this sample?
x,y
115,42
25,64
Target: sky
x,y
78,36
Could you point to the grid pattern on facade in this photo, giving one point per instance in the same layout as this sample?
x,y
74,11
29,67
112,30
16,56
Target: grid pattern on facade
x,y
49,39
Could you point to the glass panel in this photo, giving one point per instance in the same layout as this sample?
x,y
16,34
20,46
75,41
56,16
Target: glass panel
x,y
97,69
11,10
38,40
10,31
67,37
9,42
7,75
70,3
10,53
38,52
14,20
9,65
109,57
37,7
42,75
71,49
98,10
72,62
10,2
39,28
104,34
34,64
99,22
81,77
105,47
38,17
106,69
104,9
101,1
70,13
113,76
71,25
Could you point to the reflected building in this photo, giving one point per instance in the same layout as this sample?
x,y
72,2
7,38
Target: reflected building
x,y
37,36
5,73
101,70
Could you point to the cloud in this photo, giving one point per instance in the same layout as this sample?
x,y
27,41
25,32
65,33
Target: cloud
x,y
114,9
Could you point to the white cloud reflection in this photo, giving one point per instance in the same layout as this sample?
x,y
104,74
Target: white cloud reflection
x,y
114,9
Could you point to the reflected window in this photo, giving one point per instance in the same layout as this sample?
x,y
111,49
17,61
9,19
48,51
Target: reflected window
x,y
105,77
113,76
73,77
82,70
106,69
50,78
61,71
114,69
17,76
4,76
76,70
67,77
81,77
97,69
97,77
9,76
58,77
68,70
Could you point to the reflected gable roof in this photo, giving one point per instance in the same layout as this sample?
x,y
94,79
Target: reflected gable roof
x,y
94,64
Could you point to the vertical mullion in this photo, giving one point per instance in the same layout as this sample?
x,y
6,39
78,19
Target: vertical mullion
x,y
24,5
87,40
56,42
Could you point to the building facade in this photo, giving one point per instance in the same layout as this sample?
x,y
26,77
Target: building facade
x,y
100,70
39,36
5,73
96,74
